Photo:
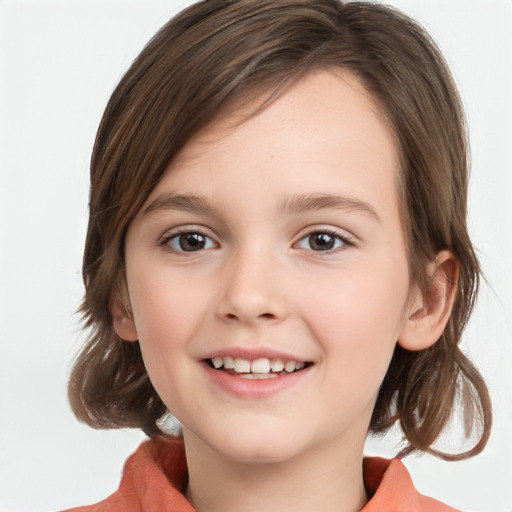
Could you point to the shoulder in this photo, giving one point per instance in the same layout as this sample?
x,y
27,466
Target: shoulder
x,y
393,490
152,480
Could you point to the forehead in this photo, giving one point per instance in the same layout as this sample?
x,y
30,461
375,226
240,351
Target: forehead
x,y
317,94
326,120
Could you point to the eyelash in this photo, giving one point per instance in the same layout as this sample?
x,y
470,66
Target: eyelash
x,y
175,235
166,239
346,240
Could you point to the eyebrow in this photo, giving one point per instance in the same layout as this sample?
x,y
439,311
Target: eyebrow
x,y
301,203
313,202
183,202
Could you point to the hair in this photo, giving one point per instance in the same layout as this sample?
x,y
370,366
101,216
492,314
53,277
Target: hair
x,y
217,51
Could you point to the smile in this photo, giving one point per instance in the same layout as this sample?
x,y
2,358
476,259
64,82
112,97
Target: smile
x,y
261,368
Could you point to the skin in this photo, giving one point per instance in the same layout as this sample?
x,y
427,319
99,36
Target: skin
x,y
260,284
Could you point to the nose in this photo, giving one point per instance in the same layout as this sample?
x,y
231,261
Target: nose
x,y
252,289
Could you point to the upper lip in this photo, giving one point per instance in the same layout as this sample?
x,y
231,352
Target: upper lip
x,y
251,354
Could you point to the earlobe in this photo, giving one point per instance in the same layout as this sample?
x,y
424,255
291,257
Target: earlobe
x,y
429,312
122,318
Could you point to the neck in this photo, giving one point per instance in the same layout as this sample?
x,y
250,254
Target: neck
x,y
327,478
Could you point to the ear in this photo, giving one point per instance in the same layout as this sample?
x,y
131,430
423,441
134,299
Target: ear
x,y
428,312
122,317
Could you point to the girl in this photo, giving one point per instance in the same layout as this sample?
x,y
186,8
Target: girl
x,y
277,254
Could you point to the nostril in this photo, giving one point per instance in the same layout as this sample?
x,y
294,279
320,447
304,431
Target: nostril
x,y
267,315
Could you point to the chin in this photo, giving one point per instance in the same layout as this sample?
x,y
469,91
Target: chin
x,y
257,454
253,445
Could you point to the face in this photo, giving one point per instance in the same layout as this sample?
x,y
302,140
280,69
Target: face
x,y
268,277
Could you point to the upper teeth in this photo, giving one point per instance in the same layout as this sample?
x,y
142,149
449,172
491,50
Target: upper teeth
x,y
261,365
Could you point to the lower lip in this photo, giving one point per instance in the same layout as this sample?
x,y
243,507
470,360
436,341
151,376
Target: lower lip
x,y
255,388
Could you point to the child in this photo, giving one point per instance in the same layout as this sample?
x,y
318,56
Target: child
x,y
277,254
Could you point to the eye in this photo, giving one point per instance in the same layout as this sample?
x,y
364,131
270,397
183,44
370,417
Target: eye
x,y
322,241
189,242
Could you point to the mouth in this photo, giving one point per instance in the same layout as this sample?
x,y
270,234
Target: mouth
x,y
256,369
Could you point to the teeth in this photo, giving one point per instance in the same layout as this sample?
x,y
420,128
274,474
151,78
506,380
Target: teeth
x,y
261,368
229,363
277,365
289,366
259,376
242,365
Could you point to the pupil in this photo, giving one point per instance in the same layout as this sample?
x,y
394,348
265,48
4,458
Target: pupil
x,y
192,242
322,241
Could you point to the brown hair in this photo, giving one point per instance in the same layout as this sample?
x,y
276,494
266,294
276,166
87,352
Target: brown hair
x,y
219,50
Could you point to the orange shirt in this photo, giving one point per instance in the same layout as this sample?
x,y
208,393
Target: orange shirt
x,y
154,476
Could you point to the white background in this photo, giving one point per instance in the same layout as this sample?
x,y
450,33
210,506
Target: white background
x,y
59,61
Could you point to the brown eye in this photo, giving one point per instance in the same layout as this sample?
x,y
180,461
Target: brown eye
x,y
190,242
321,241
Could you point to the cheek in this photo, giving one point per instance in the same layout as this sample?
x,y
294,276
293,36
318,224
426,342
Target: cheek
x,y
357,318
167,310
